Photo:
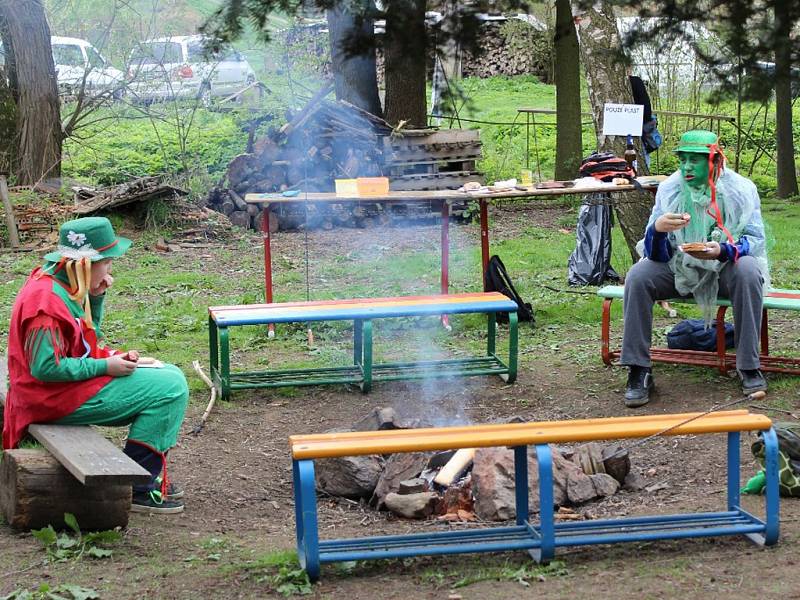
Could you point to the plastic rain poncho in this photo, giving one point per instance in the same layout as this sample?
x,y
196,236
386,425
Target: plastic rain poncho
x,y
740,206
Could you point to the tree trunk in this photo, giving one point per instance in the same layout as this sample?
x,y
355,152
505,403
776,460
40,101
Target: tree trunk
x,y
404,48
787,176
352,38
608,82
36,491
569,147
32,78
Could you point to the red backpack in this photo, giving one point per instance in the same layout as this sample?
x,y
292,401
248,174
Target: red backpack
x,y
605,166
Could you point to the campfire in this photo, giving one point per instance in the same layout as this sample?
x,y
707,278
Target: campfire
x,y
470,484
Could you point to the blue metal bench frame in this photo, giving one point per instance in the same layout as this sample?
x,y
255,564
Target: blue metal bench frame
x,y
541,539
363,371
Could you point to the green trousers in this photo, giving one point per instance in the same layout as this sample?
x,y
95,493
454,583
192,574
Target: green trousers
x,y
152,401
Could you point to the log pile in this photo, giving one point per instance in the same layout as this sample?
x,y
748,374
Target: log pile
x,y
509,48
324,141
328,140
504,47
91,200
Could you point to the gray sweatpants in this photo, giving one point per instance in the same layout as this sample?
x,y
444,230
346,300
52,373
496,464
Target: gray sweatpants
x,y
649,281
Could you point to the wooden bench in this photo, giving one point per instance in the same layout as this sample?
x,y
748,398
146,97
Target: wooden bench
x,y
79,471
540,539
776,299
362,312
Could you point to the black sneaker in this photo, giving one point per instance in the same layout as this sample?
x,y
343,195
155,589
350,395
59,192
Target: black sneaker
x,y
174,490
752,381
640,384
151,502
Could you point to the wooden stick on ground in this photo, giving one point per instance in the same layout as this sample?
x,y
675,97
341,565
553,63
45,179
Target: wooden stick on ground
x,y
199,370
11,222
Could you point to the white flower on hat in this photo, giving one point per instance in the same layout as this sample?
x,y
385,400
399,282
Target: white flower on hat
x,y
76,239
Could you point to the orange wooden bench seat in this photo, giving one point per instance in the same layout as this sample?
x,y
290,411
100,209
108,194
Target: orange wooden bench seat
x,y
542,538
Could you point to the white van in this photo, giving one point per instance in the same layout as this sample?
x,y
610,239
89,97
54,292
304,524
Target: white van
x,y
179,67
75,58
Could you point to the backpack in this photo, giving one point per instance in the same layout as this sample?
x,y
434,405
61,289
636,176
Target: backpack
x,y
651,136
497,280
788,457
692,334
605,166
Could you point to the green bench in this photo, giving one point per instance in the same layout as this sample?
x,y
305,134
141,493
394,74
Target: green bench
x,y
362,312
776,299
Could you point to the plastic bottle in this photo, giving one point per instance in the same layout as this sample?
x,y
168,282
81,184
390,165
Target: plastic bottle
x,y
630,154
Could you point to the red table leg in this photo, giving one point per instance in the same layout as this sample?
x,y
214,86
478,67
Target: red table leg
x,y
445,256
267,262
484,215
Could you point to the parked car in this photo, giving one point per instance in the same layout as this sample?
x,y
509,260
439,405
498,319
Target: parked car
x,y
75,59
180,67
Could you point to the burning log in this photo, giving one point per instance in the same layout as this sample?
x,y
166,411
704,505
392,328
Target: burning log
x,y
455,466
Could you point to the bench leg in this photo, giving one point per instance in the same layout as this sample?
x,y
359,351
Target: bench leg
x,y
213,352
358,337
734,469
491,334
225,364
764,333
305,513
547,550
721,361
772,492
513,348
366,366
521,484
605,332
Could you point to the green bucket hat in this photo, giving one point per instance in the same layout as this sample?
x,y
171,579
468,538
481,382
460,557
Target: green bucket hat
x,y
698,141
89,237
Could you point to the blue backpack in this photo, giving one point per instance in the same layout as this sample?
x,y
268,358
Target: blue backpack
x,y
691,334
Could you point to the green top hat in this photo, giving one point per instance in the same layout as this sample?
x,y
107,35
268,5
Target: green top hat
x,y
696,140
89,237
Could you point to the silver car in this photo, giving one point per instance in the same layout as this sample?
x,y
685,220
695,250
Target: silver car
x,y
180,67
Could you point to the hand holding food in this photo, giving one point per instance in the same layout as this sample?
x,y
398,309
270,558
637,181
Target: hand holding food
x,y
671,222
701,250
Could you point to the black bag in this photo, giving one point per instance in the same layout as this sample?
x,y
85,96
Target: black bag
x,y
590,262
691,334
497,280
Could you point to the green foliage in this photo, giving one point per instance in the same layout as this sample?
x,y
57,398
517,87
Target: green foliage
x,y
522,574
64,591
133,145
281,571
62,547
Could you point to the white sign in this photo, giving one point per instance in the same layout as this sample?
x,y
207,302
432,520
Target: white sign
x,y
622,119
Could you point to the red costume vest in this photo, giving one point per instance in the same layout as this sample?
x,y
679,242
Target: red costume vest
x,y
29,400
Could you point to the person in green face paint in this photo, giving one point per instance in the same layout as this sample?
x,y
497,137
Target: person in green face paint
x,y
705,238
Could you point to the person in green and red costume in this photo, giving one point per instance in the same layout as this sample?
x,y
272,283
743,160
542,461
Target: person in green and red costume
x,y
705,238
60,372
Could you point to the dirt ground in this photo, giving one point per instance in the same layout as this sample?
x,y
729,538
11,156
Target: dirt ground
x,y
237,474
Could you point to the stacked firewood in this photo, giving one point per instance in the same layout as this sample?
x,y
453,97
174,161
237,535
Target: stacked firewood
x,y
324,141
509,48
